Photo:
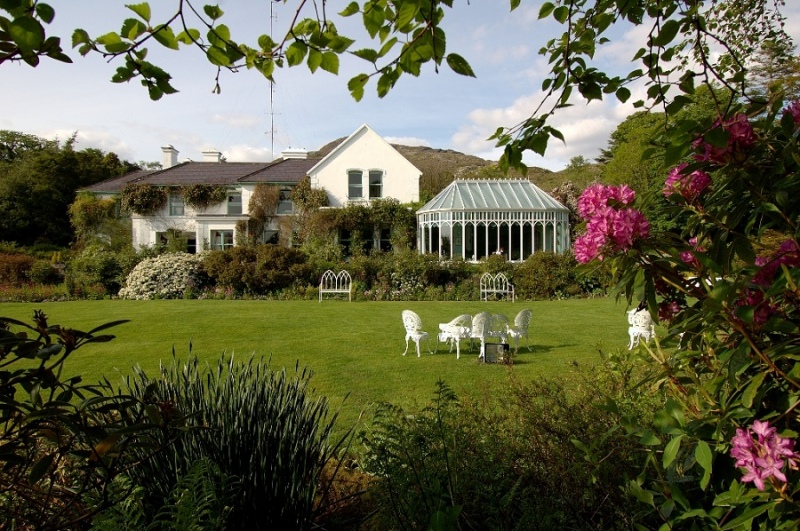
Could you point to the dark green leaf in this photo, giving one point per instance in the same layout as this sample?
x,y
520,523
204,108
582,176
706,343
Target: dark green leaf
x,y
45,12
459,65
671,450
546,9
41,467
668,32
27,33
217,56
164,35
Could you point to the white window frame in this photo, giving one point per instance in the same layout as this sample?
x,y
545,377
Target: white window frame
x,y
223,243
231,196
176,205
381,174
285,205
351,185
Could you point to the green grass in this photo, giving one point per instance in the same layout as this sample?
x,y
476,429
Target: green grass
x,y
352,348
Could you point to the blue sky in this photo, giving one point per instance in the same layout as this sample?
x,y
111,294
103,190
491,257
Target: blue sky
x,y
441,110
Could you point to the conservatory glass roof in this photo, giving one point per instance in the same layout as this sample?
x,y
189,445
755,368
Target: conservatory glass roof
x,y
465,195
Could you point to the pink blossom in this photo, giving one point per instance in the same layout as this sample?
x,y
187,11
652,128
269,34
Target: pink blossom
x,y
608,227
764,457
689,257
668,310
587,247
740,137
690,187
788,254
794,110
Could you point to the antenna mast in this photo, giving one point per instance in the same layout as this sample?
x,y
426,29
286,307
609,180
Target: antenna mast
x,y
272,16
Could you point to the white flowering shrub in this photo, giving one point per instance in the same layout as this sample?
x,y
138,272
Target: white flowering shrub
x,y
168,276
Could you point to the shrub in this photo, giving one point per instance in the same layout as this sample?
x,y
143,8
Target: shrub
x,y
63,440
94,267
44,272
259,425
14,268
546,275
168,276
504,462
259,270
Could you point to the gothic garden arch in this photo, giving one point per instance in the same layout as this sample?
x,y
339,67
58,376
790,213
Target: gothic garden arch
x,y
474,218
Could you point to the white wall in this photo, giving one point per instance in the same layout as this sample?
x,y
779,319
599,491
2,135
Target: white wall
x,y
365,150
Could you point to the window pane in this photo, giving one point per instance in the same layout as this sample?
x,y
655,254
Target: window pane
x,y
355,189
221,240
375,184
285,203
175,205
235,204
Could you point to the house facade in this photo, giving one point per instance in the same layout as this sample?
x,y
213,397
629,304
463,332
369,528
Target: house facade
x,y
365,167
362,168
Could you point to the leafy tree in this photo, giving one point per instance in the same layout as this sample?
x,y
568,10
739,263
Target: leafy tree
x,y
775,68
40,181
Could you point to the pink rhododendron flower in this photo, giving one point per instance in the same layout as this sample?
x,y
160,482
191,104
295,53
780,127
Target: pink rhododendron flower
x,y
609,227
690,186
794,110
667,310
788,254
688,257
764,457
740,137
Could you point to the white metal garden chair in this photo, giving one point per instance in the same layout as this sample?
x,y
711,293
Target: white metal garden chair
x,y
454,331
414,332
519,329
641,327
481,328
499,327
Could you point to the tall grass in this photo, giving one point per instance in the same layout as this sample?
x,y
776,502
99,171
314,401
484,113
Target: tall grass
x,y
255,424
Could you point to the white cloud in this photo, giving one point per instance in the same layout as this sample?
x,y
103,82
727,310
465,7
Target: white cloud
x,y
92,138
244,153
239,121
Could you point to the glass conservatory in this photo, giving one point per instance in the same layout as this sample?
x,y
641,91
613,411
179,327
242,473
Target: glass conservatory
x,y
472,219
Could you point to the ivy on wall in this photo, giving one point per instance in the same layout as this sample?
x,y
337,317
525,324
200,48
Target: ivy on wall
x,y
201,196
142,198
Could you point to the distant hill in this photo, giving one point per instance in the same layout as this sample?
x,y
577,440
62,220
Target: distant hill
x,y
441,166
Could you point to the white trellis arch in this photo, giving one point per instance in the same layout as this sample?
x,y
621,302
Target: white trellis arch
x,y
474,218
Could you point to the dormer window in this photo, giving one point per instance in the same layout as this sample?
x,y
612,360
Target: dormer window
x,y
355,184
234,204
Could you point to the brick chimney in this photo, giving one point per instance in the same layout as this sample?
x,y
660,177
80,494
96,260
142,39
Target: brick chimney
x,y
170,157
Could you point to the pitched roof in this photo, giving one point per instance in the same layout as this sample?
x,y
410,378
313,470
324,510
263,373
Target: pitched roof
x,y
213,173
281,171
464,195
116,184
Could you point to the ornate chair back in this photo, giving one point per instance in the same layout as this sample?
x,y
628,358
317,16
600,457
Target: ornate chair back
x,y
641,327
413,325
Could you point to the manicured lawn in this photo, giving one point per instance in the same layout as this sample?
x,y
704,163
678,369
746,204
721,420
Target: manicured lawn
x,y
352,348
